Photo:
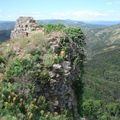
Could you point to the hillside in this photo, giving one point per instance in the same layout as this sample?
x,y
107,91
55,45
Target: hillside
x,y
102,68
102,38
5,30
103,72
7,25
4,35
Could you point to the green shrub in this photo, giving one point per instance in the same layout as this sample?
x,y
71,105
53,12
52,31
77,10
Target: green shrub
x,y
13,102
99,110
48,60
76,35
8,117
15,105
11,54
34,52
17,67
2,60
51,27
113,109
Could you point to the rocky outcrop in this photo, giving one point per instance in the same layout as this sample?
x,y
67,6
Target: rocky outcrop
x,y
24,26
59,90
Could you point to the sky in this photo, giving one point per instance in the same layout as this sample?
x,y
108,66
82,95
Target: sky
x,y
82,10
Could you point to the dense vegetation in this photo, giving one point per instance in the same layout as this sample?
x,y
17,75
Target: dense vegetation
x,y
103,70
51,28
102,73
101,82
101,110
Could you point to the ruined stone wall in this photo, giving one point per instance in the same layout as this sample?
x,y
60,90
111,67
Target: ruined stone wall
x,y
59,91
24,26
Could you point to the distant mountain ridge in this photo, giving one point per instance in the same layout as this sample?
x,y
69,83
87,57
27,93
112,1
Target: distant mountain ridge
x,y
92,29
71,23
106,23
7,25
5,29
4,35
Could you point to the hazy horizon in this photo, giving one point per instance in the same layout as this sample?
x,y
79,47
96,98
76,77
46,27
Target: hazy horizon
x,y
86,21
94,10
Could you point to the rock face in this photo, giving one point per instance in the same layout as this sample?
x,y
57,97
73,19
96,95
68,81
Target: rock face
x,y
59,90
24,26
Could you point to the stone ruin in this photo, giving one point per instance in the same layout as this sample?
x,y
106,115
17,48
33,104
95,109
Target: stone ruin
x,y
59,90
24,26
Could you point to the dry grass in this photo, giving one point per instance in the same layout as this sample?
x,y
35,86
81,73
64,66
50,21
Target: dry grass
x,y
21,46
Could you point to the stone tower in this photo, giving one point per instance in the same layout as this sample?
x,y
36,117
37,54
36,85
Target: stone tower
x,y
24,26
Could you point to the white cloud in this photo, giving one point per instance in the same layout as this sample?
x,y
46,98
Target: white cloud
x,y
82,15
85,15
76,15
